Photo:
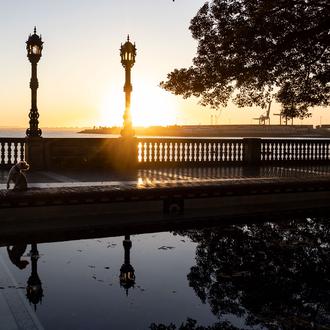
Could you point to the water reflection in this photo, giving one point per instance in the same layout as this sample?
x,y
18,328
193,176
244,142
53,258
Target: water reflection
x,y
127,273
266,275
34,291
273,275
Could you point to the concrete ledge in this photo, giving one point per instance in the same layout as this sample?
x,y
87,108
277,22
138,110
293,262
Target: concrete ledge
x,y
127,205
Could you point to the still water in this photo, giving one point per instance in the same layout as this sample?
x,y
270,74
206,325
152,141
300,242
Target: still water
x,y
273,275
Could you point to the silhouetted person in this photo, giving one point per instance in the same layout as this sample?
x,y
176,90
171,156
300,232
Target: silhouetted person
x,y
15,254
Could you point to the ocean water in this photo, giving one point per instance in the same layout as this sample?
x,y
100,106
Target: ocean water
x,y
51,133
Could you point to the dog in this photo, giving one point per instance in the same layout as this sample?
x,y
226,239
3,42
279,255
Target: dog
x,y
16,175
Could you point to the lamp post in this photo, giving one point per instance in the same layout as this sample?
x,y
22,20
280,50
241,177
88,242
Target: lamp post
x,y
127,54
34,49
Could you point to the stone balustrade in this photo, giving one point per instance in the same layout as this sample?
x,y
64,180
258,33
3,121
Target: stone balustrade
x,y
119,153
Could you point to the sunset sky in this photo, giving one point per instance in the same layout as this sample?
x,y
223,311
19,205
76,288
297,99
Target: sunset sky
x,y
80,76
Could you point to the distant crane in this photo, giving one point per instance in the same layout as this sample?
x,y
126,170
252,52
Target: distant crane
x,y
286,118
263,118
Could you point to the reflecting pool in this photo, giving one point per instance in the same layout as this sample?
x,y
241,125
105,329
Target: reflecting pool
x,y
271,275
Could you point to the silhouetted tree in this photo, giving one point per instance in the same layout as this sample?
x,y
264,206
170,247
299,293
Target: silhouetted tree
x,y
252,50
273,275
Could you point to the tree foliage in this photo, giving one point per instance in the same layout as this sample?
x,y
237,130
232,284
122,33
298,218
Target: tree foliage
x,y
251,51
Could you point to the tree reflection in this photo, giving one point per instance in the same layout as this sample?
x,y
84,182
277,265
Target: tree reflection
x,y
273,275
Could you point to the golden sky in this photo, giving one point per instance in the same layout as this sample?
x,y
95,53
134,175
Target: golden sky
x,y
80,76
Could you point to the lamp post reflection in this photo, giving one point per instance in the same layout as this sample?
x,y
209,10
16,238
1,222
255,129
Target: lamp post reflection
x,y
127,275
34,291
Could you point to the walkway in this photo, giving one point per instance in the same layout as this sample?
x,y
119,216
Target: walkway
x,y
139,178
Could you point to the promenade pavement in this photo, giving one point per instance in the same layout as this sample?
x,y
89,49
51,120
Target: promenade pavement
x,y
141,177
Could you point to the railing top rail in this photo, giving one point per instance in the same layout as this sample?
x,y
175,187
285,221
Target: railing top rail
x,y
12,139
186,140
325,140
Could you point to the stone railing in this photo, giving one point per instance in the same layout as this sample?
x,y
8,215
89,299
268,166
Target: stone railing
x,y
187,152
80,153
287,150
12,150
163,152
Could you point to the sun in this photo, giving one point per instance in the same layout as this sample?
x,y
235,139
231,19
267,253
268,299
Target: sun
x,y
150,106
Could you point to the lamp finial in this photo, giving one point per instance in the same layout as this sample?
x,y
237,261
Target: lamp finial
x,y
35,30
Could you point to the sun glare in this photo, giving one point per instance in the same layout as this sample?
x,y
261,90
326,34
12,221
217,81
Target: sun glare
x,y
150,106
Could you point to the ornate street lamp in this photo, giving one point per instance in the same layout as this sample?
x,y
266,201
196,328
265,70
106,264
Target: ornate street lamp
x,y
34,49
127,54
127,273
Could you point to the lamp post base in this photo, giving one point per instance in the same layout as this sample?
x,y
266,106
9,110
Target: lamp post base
x,y
34,153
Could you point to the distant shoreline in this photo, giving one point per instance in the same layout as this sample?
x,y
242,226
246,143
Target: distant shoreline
x,y
220,131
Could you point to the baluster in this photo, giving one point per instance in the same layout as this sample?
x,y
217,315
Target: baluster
x,y
160,150
155,158
185,152
221,152
266,151
226,151
151,152
203,152
171,155
22,150
2,153
199,152
6,158
234,152
15,153
231,152
147,151
166,158
263,155
194,150
175,152
143,151
273,151
270,151
190,152
303,150
139,152
290,151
